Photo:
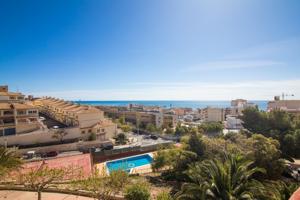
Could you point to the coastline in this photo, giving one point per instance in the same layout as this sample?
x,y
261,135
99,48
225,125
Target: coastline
x,y
262,104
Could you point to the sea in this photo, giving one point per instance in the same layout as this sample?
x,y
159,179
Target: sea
x,y
262,105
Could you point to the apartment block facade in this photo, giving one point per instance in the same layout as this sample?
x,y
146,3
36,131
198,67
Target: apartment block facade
x,y
210,114
86,119
16,117
291,106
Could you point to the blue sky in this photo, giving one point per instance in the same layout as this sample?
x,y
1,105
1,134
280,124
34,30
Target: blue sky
x,y
151,49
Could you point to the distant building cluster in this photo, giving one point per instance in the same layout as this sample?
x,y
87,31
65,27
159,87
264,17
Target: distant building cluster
x,y
143,115
291,106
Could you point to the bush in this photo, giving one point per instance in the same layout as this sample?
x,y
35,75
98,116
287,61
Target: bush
x,y
164,196
92,137
137,192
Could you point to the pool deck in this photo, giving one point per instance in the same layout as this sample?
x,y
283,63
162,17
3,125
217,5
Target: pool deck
x,y
102,169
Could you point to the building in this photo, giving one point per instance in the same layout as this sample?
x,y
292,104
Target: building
x,y
12,97
237,107
86,119
233,123
16,117
291,106
157,118
210,114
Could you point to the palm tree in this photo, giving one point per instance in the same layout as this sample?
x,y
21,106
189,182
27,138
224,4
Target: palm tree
x,y
230,179
8,160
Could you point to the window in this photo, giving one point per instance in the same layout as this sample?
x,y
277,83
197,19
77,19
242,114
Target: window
x,y
90,130
21,112
8,112
83,132
32,111
10,131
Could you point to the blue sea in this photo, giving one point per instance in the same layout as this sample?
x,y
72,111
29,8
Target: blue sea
x,y
262,105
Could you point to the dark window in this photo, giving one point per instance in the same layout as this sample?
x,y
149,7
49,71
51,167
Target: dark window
x,y
10,131
1,132
8,112
8,120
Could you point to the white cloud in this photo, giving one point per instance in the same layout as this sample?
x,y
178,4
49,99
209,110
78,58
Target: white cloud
x,y
234,64
252,90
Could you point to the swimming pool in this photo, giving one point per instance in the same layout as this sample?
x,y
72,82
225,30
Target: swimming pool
x,y
129,163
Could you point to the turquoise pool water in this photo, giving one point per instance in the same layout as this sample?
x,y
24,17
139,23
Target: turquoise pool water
x,y
128,163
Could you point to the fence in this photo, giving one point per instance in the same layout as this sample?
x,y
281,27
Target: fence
x,y
128,151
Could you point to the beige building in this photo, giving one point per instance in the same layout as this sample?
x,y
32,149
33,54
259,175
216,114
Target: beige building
x,y
12,97
291,106
158,119
16,117
210,114
86,118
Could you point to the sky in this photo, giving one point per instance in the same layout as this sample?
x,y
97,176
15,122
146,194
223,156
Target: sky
x,y
151,49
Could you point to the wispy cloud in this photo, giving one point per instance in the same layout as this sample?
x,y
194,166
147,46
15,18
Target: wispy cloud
x,y
253,90
234,64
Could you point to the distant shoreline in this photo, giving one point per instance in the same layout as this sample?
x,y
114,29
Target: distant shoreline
x,y
262,104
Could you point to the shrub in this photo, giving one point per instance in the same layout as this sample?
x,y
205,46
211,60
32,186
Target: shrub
x,y
137,192
164,196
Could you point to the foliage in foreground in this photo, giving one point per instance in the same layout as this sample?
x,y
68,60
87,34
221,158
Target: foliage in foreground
x,y
137,191
102,186
8,161
231,178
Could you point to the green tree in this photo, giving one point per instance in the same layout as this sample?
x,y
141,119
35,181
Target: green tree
x,y
211,127
9,160
122,120
151,128
92,137
121,138
117,180
41,178
137,191
126,128
266,154
169,131
101,186
225,180
196,144
255,121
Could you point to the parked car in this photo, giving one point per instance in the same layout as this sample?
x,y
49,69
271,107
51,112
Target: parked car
x,y
50,154
107,147
153,137
29,155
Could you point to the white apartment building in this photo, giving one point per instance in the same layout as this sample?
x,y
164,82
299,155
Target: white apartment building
x,y
238,105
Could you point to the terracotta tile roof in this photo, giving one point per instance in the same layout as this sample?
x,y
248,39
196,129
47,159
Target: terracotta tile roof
x,y
11,94
7,106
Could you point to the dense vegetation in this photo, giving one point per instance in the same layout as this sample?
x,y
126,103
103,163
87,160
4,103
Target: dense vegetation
x,y
277,124
245,165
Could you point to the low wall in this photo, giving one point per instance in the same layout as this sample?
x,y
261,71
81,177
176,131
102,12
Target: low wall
x,y
75,146
55,190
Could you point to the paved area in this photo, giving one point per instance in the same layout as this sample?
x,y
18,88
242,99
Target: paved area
x,y
82,161
21,195
141,140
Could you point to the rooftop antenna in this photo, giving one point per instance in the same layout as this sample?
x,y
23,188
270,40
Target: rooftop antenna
x,y
286,95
